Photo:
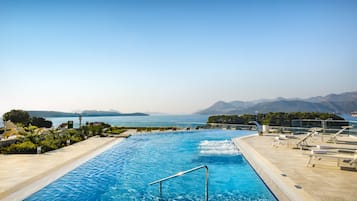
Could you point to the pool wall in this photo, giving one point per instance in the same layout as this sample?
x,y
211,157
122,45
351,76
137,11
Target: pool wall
x,y
282,187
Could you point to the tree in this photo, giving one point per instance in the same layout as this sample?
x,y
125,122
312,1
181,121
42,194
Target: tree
x,y
17,116
41,122
276,118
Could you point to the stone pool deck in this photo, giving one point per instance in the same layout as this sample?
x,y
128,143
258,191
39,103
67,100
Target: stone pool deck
x,y
284,170
22,175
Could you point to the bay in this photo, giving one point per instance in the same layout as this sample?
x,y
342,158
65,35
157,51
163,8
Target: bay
x,y
182,121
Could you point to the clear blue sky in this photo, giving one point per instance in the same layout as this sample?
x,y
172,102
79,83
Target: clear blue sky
x,y
173,56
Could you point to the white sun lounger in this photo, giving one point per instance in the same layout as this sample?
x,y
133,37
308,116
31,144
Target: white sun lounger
x,y
320,154
333,138
303,141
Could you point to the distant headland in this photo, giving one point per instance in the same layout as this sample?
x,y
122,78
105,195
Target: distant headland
x,y
85,113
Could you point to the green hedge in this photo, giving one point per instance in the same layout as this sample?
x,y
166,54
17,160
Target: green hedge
x,y
56,139
26,147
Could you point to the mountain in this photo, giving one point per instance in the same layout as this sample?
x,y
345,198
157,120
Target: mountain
x,y
85,113
335,103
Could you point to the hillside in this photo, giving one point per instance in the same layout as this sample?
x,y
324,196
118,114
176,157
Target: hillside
x,y
85,113
333,103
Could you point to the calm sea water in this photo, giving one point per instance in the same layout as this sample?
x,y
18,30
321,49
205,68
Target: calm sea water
x,y
125,171
137,121
150,121
140,121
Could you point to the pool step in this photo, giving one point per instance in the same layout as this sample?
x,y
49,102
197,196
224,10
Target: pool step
x,y
218,148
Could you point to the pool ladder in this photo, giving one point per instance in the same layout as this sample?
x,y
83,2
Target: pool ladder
x,y
180,174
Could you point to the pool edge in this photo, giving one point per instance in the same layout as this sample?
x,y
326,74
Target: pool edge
x,y
282,187
36,183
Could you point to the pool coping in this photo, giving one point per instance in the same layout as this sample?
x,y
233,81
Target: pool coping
x,y
282,187
36,183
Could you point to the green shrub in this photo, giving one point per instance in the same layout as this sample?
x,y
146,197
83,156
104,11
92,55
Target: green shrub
x,y
32,138
52,142
48,145
85,130
40,122
30,128
76,138
116,130
72,131
26,147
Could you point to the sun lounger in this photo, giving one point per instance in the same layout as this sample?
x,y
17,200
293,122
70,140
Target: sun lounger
x,y
351,160
319,151
279,140
337,148
283,137
333,138
303,141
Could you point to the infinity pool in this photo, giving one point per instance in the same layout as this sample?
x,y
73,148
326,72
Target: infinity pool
x,y
125,171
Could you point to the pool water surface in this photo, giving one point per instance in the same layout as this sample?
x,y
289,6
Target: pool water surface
x,y
125,171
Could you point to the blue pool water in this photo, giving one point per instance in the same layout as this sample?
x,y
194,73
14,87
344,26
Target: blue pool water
x,y
125,171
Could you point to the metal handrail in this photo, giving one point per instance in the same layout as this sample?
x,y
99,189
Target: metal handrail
x,y
259,127
180,174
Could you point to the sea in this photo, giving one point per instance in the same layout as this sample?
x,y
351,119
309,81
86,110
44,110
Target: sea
x,y
180,121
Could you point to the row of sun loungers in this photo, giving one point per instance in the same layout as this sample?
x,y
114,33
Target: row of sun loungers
x,y
343,155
